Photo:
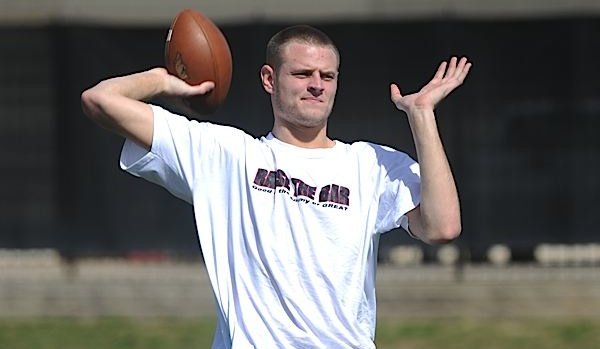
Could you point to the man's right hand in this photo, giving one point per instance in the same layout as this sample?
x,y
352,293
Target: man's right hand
x,y
179,88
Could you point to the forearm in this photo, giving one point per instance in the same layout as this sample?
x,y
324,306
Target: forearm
x,y
439,207
138,86
109,97
116,104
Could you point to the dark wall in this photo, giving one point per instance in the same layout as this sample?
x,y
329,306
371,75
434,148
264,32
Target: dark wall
x,y
28,148
520,133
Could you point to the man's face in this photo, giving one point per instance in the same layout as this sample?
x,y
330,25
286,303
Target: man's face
x,y
305,84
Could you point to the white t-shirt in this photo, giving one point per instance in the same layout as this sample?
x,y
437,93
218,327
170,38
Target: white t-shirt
x,y
289,235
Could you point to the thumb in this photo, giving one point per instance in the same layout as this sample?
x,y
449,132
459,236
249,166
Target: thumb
x,y
395,93
196,90
204,87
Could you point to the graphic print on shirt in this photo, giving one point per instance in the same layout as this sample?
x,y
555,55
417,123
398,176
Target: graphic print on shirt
x,y
329,196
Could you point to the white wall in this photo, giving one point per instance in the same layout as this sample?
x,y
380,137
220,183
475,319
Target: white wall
x,y
160,12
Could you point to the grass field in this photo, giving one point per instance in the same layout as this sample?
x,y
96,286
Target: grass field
x,y
125,333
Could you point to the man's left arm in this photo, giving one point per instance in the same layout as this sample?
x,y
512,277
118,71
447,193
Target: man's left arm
x,y
437,218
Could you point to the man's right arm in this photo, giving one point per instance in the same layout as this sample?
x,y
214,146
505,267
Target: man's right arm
x,y
118,104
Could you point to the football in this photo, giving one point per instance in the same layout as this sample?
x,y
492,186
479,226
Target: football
x,y
196,51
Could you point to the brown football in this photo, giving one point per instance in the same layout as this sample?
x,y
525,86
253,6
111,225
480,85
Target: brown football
x,y
196,51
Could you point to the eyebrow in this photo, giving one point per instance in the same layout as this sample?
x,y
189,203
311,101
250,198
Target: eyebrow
x,y
309,70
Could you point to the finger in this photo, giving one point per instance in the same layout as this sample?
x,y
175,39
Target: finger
x,y
460,67
204,87
439,74
395,93
451,68
461,73
464,72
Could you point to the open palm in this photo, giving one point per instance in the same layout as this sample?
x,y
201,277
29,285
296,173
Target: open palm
x,y
447,78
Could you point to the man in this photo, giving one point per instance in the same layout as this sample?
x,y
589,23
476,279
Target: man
x,y
289,223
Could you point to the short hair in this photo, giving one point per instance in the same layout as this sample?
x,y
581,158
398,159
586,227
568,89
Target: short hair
x,y
298,33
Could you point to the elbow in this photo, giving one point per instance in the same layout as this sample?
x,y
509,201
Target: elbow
x,y
446,234
90,104
95,102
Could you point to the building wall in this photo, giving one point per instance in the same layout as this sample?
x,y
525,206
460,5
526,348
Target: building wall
x,y
520,133
159,12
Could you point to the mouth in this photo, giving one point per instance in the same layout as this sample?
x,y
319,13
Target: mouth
x,y
312,99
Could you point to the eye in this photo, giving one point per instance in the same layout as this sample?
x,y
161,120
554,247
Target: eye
x,y
302,74
328,77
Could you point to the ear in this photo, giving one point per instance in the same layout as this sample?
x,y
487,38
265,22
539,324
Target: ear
x,y
266,77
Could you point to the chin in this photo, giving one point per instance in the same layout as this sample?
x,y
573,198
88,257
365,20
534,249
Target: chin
x,y
305,117
311,121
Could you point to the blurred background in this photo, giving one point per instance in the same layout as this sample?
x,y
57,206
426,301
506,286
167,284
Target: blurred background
x,y
520,134
76,232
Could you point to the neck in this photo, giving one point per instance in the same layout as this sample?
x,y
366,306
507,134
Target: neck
x,y
303,137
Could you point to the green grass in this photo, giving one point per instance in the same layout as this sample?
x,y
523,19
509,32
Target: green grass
x,y
124,333
490,334
105,333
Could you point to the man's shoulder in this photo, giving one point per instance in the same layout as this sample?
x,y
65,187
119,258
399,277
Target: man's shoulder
x,y
207,132
374,149
380,155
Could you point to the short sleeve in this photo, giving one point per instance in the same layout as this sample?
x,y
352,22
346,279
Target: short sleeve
x,y
400,188
169,162
186,155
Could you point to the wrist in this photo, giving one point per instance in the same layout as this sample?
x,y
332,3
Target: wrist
x,y
158,78
421,112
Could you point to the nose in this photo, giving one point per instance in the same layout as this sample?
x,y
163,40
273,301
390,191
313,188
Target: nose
x,y
315,84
